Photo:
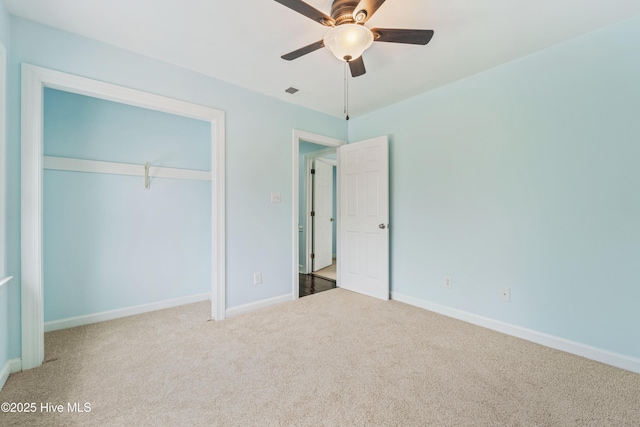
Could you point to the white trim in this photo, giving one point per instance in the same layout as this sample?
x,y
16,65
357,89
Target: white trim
x,y
4,374
94,166
317,138
218,209
31,220
253,306
300,135
88,319
3,169
34,79
11,367
604,356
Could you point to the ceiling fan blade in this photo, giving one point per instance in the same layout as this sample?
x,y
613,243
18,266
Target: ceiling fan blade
x,y
393,35
369,7
308,11
303,51
357,67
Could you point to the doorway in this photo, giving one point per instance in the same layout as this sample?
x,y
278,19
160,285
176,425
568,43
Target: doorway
x,y
307,149
317,216
323,216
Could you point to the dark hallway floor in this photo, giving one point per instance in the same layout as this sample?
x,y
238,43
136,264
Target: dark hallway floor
x,y
310,284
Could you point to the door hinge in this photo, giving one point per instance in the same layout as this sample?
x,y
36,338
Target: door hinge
x,y
313,256
313,171
313,213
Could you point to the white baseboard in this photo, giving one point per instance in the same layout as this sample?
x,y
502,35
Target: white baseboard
x,y
246,308
12,366
71,322
604,356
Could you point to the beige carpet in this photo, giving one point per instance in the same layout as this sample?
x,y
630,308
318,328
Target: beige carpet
x,y
330,359
328,272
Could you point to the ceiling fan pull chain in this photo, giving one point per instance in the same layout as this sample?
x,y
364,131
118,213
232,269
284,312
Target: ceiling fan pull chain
x,y
346,90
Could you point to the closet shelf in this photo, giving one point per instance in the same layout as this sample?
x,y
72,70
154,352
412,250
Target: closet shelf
x,y
95,166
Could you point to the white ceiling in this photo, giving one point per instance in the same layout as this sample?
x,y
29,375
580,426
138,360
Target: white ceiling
x,y
241,41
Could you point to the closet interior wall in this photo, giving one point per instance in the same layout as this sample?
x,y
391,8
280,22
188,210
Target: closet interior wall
x,y
113,238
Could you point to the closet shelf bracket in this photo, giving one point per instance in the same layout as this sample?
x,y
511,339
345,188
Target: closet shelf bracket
x,y
146,175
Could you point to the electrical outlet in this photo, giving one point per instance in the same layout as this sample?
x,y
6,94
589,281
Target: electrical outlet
x,y
447,282
505,294
276,197
257,278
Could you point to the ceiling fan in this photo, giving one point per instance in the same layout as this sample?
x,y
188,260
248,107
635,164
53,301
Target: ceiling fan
x,y
347,37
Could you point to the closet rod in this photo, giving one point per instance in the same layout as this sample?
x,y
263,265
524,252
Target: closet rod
x,y
95,166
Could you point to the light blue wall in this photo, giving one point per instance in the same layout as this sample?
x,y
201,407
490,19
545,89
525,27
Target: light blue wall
x,y
4,292
108,242
258,154
525,176
83,127
5,25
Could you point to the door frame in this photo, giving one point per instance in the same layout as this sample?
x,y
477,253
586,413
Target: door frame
x,y
307,196
300,135
3,169
34,80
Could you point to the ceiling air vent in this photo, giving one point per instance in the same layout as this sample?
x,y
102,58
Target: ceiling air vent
x,y
291,90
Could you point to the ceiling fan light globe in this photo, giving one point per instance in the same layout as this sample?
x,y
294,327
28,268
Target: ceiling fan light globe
x,y
348,41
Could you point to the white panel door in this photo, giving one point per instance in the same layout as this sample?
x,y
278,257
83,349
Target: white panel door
x,y
323,215
363,219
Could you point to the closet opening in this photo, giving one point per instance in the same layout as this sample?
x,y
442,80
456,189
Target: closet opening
x,y
34,165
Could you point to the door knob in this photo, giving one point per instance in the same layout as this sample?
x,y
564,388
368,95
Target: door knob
x,y
382,226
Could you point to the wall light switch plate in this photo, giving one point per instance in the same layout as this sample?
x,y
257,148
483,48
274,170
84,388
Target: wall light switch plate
x,y
276,198
257,278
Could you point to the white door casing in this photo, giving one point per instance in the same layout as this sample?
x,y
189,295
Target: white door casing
x,y
3,126
323,215
364,217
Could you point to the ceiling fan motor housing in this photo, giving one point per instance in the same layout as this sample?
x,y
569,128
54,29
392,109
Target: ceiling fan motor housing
x,y
342,11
